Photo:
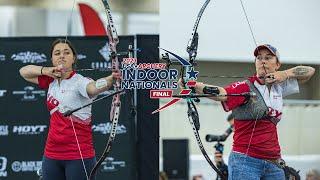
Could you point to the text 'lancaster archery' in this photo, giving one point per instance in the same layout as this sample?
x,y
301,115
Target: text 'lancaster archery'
x,y
147,75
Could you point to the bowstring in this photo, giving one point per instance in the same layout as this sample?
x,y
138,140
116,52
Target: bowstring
x,y
264,91
68,32
78,144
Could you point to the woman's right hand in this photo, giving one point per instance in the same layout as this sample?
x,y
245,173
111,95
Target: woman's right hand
x,y
54,72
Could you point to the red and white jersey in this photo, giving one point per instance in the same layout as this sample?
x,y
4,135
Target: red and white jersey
x,y
69,94
264,143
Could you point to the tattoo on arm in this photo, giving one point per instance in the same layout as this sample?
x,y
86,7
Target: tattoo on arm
x,y
300,71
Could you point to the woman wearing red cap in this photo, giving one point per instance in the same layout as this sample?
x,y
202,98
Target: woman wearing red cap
x,y
256,150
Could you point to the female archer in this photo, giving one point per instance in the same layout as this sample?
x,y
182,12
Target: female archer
x,y
256,150
69,151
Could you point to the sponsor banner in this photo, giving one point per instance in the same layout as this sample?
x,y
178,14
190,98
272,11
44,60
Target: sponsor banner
x,y
29,129
3,92
105,128
105,53
29,93
2,57
29,57
4,130
3,166
26,166
81,56
111,165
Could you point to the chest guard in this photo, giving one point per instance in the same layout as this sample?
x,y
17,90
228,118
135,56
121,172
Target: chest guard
x,y
254,108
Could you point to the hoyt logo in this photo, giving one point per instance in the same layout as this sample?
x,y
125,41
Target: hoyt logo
x,y
29,57
3,166
29,130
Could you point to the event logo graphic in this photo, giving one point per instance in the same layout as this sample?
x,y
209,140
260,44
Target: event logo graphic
x,y
105,128
3,166
191,75
157,78
29,57
30,94
26,166
148,76
4,130
2,57
110,165
29,130
2,92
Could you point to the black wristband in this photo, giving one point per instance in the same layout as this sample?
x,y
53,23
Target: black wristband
x,y
41,70
210,90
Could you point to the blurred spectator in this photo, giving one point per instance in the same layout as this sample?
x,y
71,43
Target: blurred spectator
x,y
197,177
313,174
163,176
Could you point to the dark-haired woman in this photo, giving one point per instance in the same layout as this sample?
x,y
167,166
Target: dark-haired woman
x,y
69,152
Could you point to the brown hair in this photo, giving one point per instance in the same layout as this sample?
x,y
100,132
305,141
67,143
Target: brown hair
x,y
65,41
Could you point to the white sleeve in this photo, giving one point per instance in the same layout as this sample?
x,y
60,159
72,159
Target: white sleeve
x,y
290,86
82,86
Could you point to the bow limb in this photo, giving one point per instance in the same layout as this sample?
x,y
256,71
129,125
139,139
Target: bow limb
x,y
113,40
193,115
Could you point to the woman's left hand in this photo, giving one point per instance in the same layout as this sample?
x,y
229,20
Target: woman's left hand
x,y
115,75
276,77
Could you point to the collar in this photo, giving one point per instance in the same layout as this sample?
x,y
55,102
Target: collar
x,y
71,74
255,78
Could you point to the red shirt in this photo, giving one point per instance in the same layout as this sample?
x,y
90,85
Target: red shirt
x,y
264,143
61,142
